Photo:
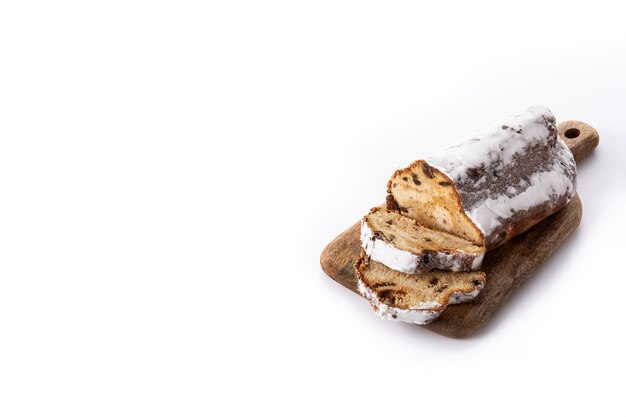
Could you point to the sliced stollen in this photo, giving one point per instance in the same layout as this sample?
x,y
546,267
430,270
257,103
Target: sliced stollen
x,y
404,245
493,186
414,298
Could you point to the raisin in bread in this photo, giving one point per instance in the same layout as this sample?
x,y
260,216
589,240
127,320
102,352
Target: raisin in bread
x,y
492,186
404,245
413,298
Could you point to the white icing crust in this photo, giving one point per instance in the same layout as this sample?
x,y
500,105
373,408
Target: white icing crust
x,y
510,173
423,313
463,297
408,262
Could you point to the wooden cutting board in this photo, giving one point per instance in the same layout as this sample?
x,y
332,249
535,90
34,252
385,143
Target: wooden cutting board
x,y
507,267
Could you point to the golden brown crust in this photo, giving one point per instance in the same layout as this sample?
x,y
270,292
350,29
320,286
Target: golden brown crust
x,y
392,204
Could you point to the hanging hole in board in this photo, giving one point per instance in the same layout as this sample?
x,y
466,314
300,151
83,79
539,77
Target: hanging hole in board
x,y
572,133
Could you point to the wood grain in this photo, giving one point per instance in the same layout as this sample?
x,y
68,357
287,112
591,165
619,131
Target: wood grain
x,y
507,267
581,138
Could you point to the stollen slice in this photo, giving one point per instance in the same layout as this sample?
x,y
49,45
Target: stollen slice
x,y
405,245
414,298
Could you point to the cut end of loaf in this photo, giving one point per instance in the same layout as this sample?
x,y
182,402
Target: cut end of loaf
x,y
404,245
424,193
418,299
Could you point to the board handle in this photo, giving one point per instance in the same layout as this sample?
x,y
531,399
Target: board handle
x,y
581,138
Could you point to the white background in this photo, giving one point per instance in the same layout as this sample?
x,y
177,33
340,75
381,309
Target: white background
x,y
170,172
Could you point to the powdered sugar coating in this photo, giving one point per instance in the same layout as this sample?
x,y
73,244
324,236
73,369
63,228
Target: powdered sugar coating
x,y
463,297
407,262
497,144
542,186
509,170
